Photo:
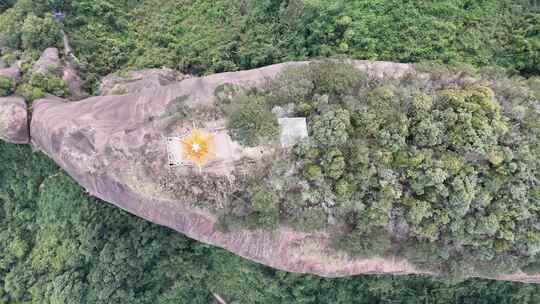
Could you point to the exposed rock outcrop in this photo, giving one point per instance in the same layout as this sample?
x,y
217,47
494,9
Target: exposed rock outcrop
x,y
51,63
73,82
70,74
48,62
13,120
114,145
135,81
13,73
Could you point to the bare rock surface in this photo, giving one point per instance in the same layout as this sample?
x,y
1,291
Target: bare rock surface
x,y
70,73
13,73
13,120
48,62
115,147
73,82
135,81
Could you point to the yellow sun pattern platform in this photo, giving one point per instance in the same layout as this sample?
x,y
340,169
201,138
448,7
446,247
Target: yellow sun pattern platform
x,y
214,148
194,148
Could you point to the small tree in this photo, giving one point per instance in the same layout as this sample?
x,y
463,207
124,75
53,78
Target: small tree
x,y
251,122
331,128
6,86
39,33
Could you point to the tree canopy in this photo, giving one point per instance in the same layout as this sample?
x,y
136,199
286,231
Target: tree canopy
x,y
451,171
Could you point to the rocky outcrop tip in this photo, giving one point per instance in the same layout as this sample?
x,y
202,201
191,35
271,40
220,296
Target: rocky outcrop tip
x,y
14,120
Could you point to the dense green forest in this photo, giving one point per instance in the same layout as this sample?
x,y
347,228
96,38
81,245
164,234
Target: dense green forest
x,y
203,37
446,164
58,245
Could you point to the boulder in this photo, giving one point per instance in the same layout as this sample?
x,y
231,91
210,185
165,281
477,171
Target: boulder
x,y
13,120
13,73
73,82
48,62
115,146
136,81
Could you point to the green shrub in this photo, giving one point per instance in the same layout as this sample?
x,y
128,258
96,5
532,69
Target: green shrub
x,y
26,26
264,213
331,128
333,164
226,93
108,36
532,268
429,132
293,85
426,255
345,190
29,92
362,244
335,77
251,123
9,57
39,33
10,28
313,172
420,156
6,4
419,211
310,219
472,118
423,157
37,85
266,205
6,86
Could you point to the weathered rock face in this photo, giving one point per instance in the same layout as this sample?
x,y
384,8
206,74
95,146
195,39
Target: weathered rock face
x,y
135,81
70,74
115,147
13,120
48,62
73,82
13,73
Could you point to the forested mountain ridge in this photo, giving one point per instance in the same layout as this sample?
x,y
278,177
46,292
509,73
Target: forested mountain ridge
x,y
110,98
360,188
201,37
111,35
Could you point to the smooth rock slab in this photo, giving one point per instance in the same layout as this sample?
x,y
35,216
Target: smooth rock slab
x,y
13,73
73,82
136,81
48,62
14,120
